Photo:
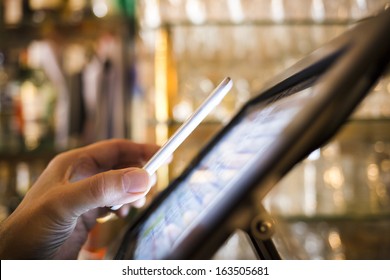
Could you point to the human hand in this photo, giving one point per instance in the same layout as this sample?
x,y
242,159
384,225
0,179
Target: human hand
x,y
54,218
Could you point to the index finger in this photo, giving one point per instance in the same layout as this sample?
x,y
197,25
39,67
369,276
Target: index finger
x,y
108,154
118,153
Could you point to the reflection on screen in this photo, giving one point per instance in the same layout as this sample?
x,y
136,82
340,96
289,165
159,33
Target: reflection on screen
x,y
252,135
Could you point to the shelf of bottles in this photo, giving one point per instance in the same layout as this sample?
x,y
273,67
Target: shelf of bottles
x,y
66,72
185,47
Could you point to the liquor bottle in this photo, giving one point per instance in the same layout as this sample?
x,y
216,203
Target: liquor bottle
x,y
37,101
76,10
4,105
12,12
10,140
43,9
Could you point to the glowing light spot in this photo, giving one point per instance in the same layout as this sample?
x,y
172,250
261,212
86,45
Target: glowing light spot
x,y
385,165
372,172
334,240
100,9
334,177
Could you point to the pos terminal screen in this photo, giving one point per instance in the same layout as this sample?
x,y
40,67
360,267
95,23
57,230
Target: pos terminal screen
x,y
247,138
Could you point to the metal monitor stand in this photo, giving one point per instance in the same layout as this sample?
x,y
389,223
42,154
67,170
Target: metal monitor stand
x,y
260,232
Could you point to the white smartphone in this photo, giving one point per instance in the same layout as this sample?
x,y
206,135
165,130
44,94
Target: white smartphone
x,y
162,155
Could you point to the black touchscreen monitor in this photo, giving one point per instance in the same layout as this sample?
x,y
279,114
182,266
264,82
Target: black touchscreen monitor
x,y
297,112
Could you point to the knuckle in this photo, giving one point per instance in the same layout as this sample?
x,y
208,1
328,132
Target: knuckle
x,y
98,185
57,159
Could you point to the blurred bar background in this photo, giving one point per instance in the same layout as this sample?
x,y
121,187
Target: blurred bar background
x,y
77,71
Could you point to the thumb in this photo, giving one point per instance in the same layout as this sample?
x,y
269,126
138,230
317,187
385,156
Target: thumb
x,y
110,188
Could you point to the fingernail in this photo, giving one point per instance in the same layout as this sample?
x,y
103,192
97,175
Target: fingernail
x,y
136,181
